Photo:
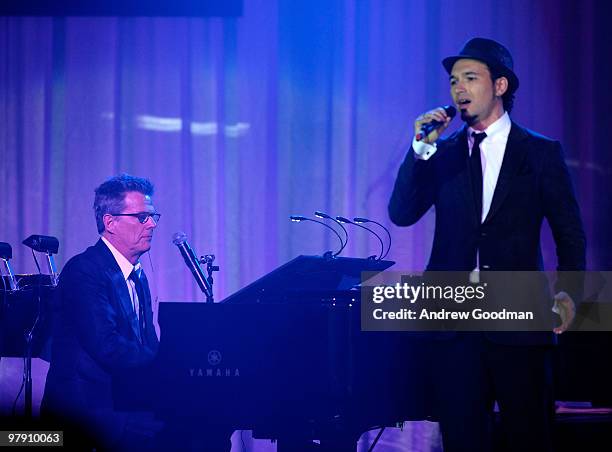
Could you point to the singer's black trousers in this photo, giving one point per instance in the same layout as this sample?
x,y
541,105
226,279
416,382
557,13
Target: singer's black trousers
x,y
470,373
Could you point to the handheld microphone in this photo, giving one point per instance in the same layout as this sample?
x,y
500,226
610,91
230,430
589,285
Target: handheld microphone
x,y
180,240
426,129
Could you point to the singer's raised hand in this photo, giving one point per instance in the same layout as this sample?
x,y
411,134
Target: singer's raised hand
x,y
437,114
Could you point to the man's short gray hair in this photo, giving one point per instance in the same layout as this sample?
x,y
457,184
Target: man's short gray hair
x,y
110,196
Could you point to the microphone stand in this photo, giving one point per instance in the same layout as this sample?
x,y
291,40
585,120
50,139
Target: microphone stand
x,y
210,268
49,246
28,374
193,263
10,275
52,268
29,340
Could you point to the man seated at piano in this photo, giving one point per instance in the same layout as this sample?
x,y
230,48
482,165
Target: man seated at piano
x,y
103,326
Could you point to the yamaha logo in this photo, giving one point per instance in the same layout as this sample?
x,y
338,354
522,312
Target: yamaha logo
x,y
214,357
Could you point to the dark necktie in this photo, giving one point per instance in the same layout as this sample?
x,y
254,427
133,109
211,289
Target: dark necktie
x,y
141,302
476,172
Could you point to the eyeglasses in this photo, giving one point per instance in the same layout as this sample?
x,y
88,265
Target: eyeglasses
x,y
143,217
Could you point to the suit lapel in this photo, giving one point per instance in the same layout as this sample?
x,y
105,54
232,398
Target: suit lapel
x,y
513,157
113,272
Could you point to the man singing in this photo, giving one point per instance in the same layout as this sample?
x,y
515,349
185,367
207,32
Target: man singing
x,y
104,323
492,184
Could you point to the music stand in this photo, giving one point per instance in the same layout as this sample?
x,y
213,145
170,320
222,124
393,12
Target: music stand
x,y
309,273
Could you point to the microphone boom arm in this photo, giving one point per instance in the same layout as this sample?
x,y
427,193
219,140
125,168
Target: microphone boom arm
x,y
367,220
299,218
382,245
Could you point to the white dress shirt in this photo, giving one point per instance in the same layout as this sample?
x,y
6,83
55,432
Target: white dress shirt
x,y
492,151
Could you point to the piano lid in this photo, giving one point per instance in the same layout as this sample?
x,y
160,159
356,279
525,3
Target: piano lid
x,y
309,273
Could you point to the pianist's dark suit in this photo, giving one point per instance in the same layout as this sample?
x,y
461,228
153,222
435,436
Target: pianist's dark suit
x,y
95,338
533,184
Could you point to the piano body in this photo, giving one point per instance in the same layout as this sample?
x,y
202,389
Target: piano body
x,y
286,358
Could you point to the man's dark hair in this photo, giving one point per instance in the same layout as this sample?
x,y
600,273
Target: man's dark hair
x,y
508,96
110,196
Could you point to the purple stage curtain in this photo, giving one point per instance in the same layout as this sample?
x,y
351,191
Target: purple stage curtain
x,y
291,108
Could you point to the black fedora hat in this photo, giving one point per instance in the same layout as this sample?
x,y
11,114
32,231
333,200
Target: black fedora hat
x,y
495,55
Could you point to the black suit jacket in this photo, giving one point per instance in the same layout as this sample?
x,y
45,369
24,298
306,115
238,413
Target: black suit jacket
x,y
533,184
95,339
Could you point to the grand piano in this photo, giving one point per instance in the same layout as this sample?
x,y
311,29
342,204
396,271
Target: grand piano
x,y
285,357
